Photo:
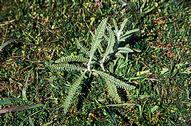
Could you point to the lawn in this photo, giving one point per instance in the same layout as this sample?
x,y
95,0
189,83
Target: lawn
x,y
98,62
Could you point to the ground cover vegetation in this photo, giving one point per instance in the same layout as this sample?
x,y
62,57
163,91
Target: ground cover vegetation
x,y
83,62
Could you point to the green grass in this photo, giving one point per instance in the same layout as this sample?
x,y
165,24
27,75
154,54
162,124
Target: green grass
x,y
33,33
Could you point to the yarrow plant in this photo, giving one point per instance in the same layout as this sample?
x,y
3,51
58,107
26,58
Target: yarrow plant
x,y
87,64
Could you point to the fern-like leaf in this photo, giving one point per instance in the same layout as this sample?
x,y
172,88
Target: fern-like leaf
x,y
122,26
115,25
112,91
127,34
101,29
97,39
65,67
116,81
81,47
119,32
66,59
109,49
73,90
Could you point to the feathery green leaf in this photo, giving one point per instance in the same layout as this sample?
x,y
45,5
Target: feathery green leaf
x,y
128,34
81,47
122,26
111,43
65,67
125,50
116,81
115,25
97,39
74,88
112,91
66,59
